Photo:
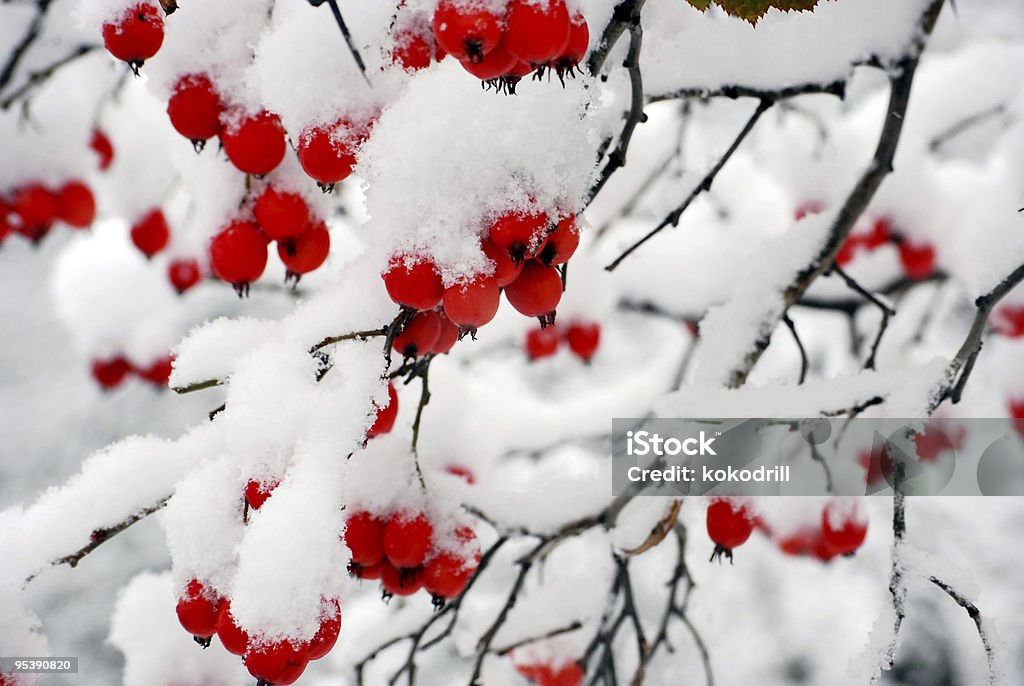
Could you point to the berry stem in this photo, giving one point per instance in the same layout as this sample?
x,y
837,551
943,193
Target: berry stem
x,y
424,399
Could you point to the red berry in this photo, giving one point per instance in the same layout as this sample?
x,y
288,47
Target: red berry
x,y
447,574
366,572
327,635
281,214
280,663
255,144
570,674
76,205
401,582
473,303
448,337
918,260
880,234
419,335
385,417
1010,321
257,493
542,342
158,373
466,29
505,268
561,243
238,254
150,234
808,208
842,528
183,273
519,235
364,536
407,540
576,49
848,250
937,439
413,50
729,525
877,463
195,107
6,220
136,35
110,373
305,253
327,153
495,63
537,32
462,472
414,284
197,610
583,339
101,145
1016,411
36,208
234,639
537,291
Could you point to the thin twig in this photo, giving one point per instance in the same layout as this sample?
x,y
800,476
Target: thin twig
x,y
37,77
35,27
975,614
800,346
340,21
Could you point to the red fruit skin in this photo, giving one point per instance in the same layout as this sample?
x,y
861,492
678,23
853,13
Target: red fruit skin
x,y
505,268
519,235
195,107
474,303
412,51
257,493
417,286
542,342
111,373
419,335
256,145
1016,410
76,205
448,337
238,254
728,525
281,214
464,31
583,339
37,208
136,35
234,639
847,251
407,540
568,675
878,465
366,572
576,49
183,274
159,372
325,155
880,234
197,610
936,439
401,582
280,663
307,252
843,537
327,635
561,243
447,574
6,224
385,417
104,150
918,260
537,34
462,472
495,63
150,234
537,291
364,536
1009,321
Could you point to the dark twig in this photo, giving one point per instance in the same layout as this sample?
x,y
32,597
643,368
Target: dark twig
x,y
340,21
887,312
837,88
37,77
569,628
800,345
962,126
197,386
35,27
361,335
621,18
673,217
975,614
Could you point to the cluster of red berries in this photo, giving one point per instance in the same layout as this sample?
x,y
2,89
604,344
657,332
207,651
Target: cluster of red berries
x,y
400,550
111,372
32,210
502,47
204,613
841,530
545,674
136,34
523,251
582,337
151,234
238,254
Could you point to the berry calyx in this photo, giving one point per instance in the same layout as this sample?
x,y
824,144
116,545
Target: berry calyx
x,y
537,291
234,639
136,35
520,235
576,49
183,273
419,335
306,252
111,373
466,30
473,303
256,143
843,527
327,153
561,243
729,526
542,342
505,268
407,540
150,234
76,205
400,582
413,282
385,417
537,32
197,610
494,64
238,254
195,108
583,339
279,663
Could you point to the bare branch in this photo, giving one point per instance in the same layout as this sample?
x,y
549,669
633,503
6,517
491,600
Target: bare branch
x,y
800,345
38,77
975,614
35,27
836,88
